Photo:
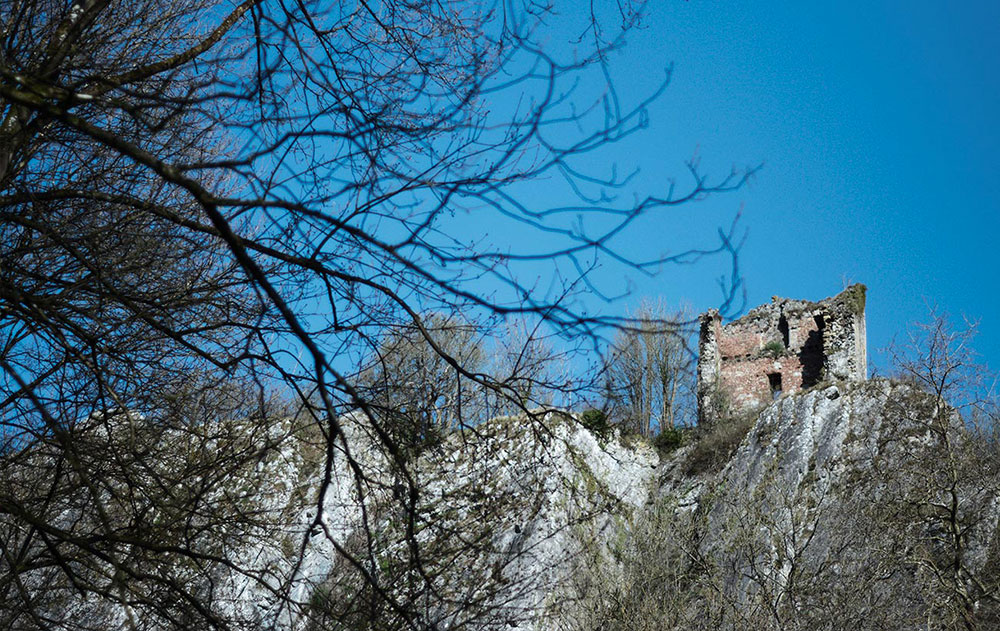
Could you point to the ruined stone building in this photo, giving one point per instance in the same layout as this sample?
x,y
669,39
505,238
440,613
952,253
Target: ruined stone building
x,y
779,348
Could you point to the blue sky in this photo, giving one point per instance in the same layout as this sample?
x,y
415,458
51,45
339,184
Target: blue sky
x,y
877,127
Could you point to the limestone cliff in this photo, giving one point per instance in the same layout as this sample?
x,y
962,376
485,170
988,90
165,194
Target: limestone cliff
x,y
832,512
865,505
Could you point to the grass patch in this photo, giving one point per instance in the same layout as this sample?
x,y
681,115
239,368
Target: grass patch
x,y
854,298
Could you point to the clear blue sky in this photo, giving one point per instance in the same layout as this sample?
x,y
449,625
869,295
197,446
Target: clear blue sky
x,y
878,126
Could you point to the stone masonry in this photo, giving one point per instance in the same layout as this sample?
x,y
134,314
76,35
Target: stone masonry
x,y
779,348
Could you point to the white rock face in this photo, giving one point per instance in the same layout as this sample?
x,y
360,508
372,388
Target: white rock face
x,y
543,497
799,503
805,434
834,485
505,515
530,497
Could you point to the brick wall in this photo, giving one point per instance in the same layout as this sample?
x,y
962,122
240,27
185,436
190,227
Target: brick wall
x,y
781,348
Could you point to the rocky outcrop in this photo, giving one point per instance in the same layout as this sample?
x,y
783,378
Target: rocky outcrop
x,y
503,516
864,505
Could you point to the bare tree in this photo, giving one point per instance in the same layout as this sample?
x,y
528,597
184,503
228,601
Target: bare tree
x,y
940,359
951,502
422,396
248,193
650,370
524,359
418,395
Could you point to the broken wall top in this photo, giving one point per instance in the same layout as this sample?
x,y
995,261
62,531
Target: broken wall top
x,y
788,322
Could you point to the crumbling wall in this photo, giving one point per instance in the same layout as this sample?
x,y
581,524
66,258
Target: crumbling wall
x,y
779,348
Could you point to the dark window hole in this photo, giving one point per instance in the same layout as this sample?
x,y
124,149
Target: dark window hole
x,y
774,380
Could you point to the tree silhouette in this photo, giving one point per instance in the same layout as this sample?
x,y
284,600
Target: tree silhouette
x,y
204,196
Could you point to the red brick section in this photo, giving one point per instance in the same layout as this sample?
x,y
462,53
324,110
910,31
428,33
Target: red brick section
x,y
744,373
746,380
735,340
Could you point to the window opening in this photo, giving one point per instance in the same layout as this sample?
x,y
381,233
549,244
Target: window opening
x,y
774,381
783,329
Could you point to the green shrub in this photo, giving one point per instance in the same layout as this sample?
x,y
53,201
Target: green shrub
x,y
773,348
854,298
595,420
669,438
